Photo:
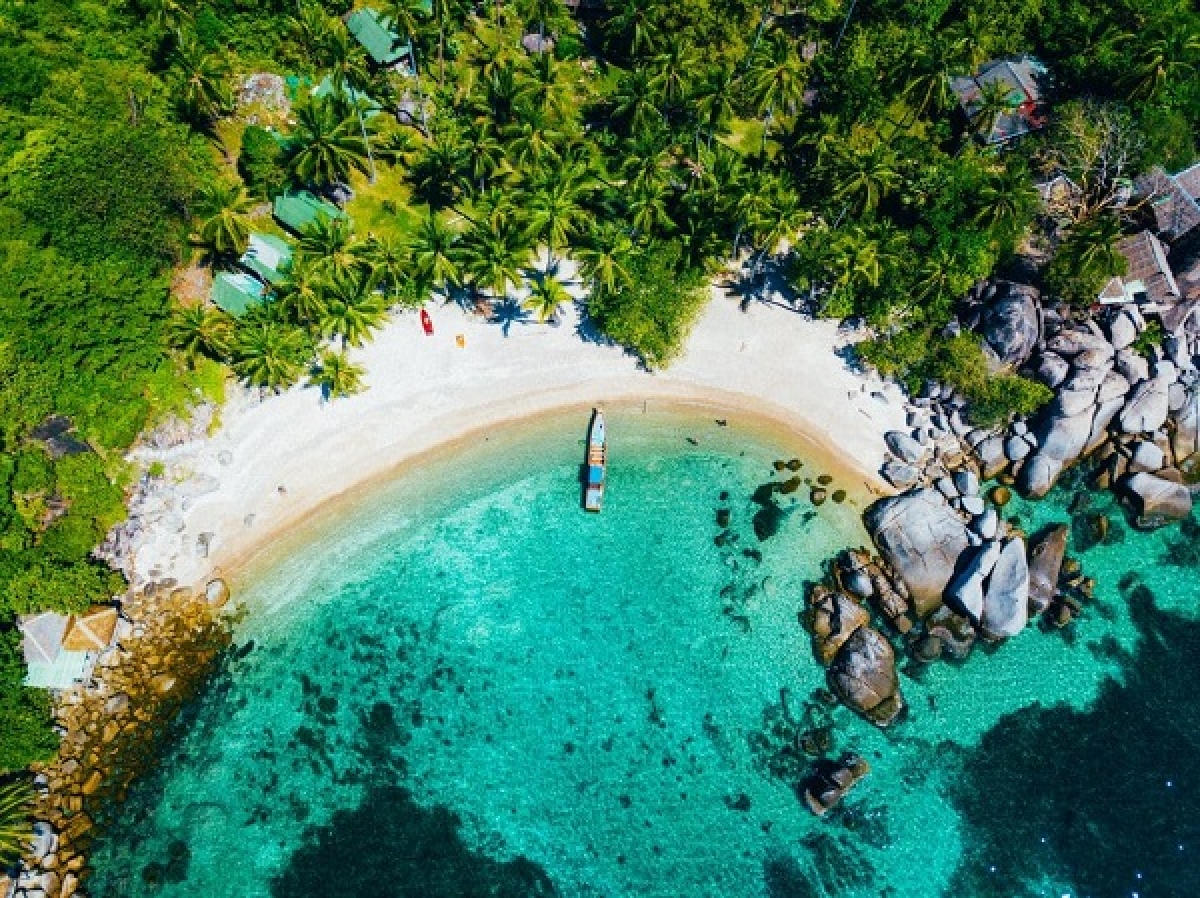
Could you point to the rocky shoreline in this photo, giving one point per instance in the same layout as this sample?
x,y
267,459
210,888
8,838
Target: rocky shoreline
x,y
113,728
948,569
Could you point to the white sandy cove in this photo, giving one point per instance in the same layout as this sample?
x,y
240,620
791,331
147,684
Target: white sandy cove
x,y
425,391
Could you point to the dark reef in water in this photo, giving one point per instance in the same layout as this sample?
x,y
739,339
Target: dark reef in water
x,y
1107,799
390,847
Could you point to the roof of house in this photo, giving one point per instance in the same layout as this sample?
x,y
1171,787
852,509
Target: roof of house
x,y
1172,199
1020,77
42,635
236,291
49,664
267,256
1148,274
296,211
374,32
91,631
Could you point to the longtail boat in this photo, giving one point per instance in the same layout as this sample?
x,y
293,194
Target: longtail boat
x,y
597,463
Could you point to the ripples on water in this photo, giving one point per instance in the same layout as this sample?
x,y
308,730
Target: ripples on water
x,y
468,687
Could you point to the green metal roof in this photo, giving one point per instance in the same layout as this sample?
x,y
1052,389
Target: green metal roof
x,y
267,256
297,211
376,35
236,291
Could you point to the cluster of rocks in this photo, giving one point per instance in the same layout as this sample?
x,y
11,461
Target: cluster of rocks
x,y
110,729
1136,413
948,572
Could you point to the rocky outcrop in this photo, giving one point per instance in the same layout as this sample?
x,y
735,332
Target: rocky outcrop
x,y
1146,409
1006,599
832,618
1156,500
965,592
1046,555
1010,327
863,676
921,538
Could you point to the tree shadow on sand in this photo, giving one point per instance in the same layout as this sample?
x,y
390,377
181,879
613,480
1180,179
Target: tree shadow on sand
x,y
390,847
1106,800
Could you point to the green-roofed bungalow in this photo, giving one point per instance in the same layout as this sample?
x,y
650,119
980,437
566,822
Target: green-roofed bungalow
x,y
267,256
296,211
236,291
374,32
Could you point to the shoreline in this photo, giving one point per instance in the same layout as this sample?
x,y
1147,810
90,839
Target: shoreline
x,y
274,464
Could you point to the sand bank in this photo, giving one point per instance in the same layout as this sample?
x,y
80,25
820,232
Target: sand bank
x,y
274,461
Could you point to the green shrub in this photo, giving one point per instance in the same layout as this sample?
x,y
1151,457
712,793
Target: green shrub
x,y
261,163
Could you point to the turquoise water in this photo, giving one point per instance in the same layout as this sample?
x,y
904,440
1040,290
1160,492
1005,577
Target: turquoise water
x,y
464,685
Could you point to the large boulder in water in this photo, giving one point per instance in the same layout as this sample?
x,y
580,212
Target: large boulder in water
x,y
921,537
863,676
832,618
1010,327
965,592
1046,556
1156,500
1006,600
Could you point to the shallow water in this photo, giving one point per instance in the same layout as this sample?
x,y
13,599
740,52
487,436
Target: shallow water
x,y
466,686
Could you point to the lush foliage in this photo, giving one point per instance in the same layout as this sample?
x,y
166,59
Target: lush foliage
x,y
16,799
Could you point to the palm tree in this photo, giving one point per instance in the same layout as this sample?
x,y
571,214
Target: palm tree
x,y
440,171
484,153
1168,54
390,263
16,826
546,297
349,75
634,101
494,252
224,224
547,89
648,207
674,69
1007,201
336,375
633,21
533,139
435,253
777,77
927,90
1092,246
169,15
556,215
268,353
780,218
328,145
995,100
540,11
603,257
353,308
328,246
865,174
300,296
201,81
199,332
714,100
313,27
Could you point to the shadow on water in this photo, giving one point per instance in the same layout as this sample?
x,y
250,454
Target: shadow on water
x,y
1106,800
390,847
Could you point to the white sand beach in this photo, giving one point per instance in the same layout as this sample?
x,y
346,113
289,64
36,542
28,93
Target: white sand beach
x,y
274,461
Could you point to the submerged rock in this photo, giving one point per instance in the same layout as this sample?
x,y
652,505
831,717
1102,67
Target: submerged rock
x,y
921,537
830,781
953,631
1046,555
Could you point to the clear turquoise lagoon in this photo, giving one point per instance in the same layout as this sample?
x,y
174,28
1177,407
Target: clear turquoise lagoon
x,y
462,685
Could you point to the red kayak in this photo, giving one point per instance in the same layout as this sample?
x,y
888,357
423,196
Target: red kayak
x,y
426,323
